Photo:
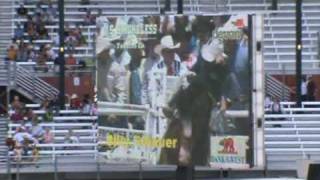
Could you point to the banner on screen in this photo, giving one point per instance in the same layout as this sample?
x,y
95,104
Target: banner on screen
x,y
229,151
167,86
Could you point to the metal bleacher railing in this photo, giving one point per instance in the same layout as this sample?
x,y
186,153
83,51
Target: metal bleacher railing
x,y
292,135
277,89
83,126
29,84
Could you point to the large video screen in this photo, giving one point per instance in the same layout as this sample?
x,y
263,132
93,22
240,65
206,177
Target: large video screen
x,y
174,90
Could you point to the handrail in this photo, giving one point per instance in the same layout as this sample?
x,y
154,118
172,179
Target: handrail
x,y
34,85
278,89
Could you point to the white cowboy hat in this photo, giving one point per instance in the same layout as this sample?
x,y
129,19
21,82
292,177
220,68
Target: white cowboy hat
x,y
210,51
166,42
74,96
103,44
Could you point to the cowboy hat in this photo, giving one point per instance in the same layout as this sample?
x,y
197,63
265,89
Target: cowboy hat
x,y
166,42
74,96
210,51
103,44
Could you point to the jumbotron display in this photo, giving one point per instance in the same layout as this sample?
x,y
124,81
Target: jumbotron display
x,y
174,90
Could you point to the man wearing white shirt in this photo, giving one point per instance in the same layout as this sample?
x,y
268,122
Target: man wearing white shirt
x,y
304,89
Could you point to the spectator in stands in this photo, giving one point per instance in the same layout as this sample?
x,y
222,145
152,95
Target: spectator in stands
x,y
17,152
51,54
26,144
20,134
51,14
48,136
27,127
304,89
71,42
276,107
45,105
37,132
268,103
10,143
71,62
42,62
311,88
70,138
18,32
94,109
17,115
35,154
86,105
22,52
22,11
29,115
56,40
81,40
12,53
16,103
89,19
75,102
31,54
42,31
54,103
30,28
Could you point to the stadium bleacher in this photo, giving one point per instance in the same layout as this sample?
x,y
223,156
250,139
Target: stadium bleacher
x,y
83,127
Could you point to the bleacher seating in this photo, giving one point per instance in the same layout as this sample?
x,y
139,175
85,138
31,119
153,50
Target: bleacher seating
x,y
292,135
279,27
83,126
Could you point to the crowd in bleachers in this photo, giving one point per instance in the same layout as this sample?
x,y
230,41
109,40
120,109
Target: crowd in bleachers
x,y
35,41
29,131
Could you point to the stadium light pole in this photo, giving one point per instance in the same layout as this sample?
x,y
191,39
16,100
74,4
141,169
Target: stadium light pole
x,y
298,51
61,55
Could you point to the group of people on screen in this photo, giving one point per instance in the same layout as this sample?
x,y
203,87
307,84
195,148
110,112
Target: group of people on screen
x,y
180,47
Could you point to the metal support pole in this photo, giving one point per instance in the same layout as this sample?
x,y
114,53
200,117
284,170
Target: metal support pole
x,y
298,50
98,168
167,5
9,167
185,173
140,169
61,55
56,168
274,5
18,170
180,7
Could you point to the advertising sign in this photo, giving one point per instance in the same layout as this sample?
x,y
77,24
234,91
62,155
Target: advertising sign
x,y
229,151
167,86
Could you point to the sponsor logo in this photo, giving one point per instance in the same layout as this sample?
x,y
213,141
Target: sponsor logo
x,y
228,146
